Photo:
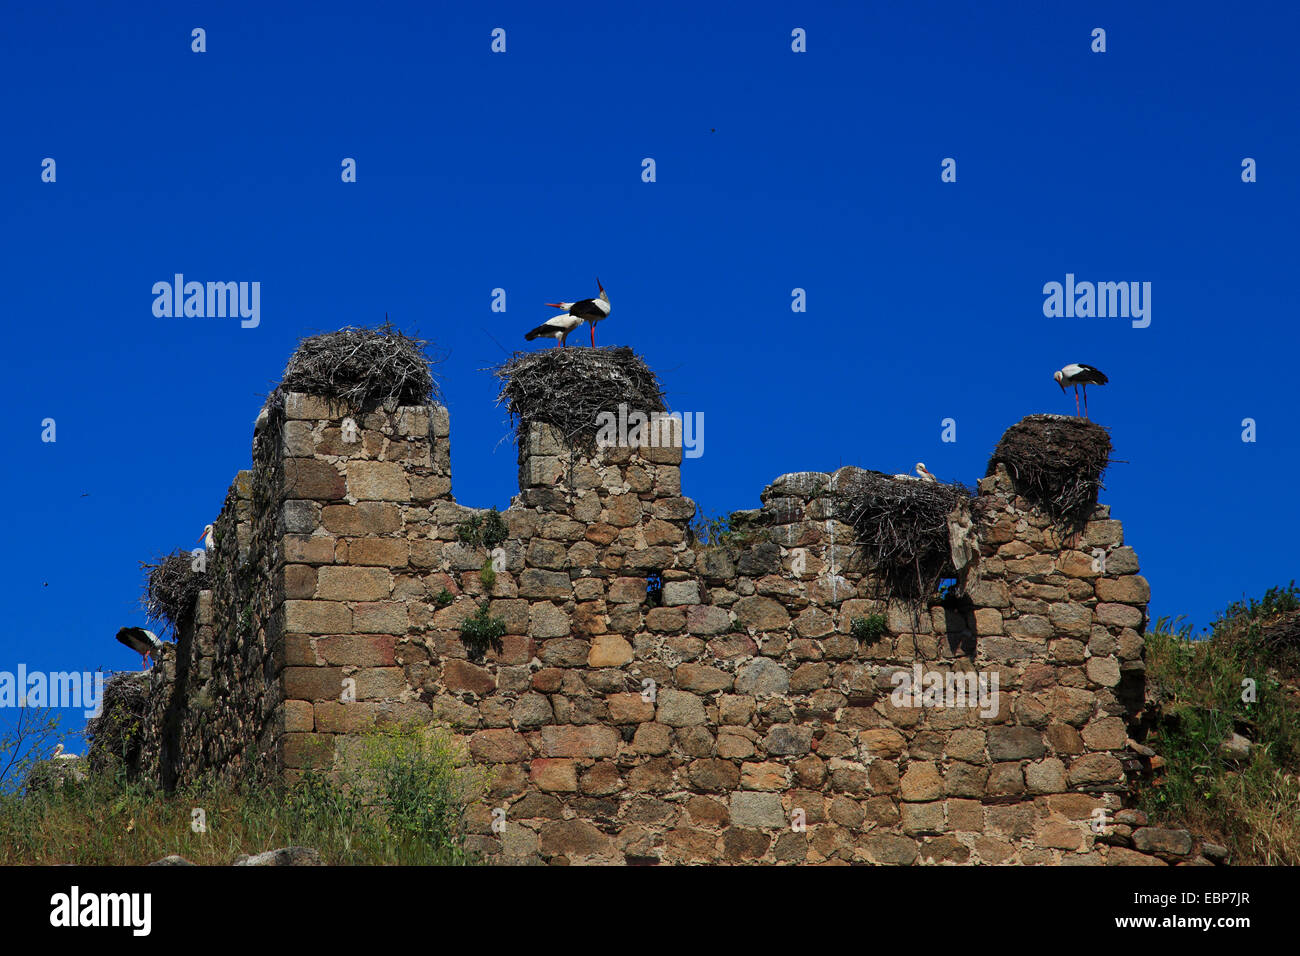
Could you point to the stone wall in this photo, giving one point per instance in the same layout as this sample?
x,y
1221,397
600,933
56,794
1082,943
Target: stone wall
x,y
731,716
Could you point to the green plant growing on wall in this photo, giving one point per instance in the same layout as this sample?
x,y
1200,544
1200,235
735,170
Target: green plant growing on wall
x,y
870,628
485,530
481,630
711,531
444,598
487,574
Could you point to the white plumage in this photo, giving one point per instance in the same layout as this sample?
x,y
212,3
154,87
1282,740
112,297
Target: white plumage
x,y
143,642
1076,374
557,328
585,310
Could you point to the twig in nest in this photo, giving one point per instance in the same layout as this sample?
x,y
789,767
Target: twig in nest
x,y
362,368
902,526
569,387
1056,462
171,587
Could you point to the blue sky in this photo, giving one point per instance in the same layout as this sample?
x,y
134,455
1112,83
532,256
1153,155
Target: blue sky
x,y
775,170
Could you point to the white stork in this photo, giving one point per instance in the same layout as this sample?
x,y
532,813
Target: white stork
x,y
1076,375
590,311
924,472
143,642
60,755
557,328
206,538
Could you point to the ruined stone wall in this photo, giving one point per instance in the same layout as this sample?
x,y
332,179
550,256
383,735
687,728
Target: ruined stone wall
x,y
731,717
217,694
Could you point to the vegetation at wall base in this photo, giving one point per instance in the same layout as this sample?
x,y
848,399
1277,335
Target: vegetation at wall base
x,y
405,804
1246,797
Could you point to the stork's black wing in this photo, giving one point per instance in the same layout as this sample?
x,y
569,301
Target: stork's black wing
x,y
587,309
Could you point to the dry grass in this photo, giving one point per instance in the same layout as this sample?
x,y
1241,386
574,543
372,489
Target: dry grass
x,y
1194,697
418,783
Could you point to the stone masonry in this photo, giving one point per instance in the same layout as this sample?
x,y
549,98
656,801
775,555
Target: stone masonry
x,y
732,717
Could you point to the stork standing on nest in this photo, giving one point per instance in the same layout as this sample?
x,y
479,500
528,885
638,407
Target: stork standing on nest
x,y
557,328
143,642
1076,375
590,311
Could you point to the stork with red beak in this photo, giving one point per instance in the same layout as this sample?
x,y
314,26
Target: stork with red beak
x,y
590,311
206,538
925,473
1076,375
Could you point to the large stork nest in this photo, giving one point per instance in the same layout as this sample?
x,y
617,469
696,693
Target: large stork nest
x,y
363,368
569,387
171,587
1056,462
902,526
118,732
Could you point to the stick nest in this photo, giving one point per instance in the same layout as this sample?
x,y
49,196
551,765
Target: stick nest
x,y
1056,462
363,368
569,387
171,587
118,732
902,527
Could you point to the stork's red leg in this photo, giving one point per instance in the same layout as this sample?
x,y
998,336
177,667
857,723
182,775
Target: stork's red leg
x,y
1076,401
593,335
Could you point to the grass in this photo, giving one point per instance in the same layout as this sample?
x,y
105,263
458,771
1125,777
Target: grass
x,y
488,574
405,804
1251,806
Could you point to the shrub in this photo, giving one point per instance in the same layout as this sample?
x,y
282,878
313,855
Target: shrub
x,y
481,630
869,628
486,530
423,785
